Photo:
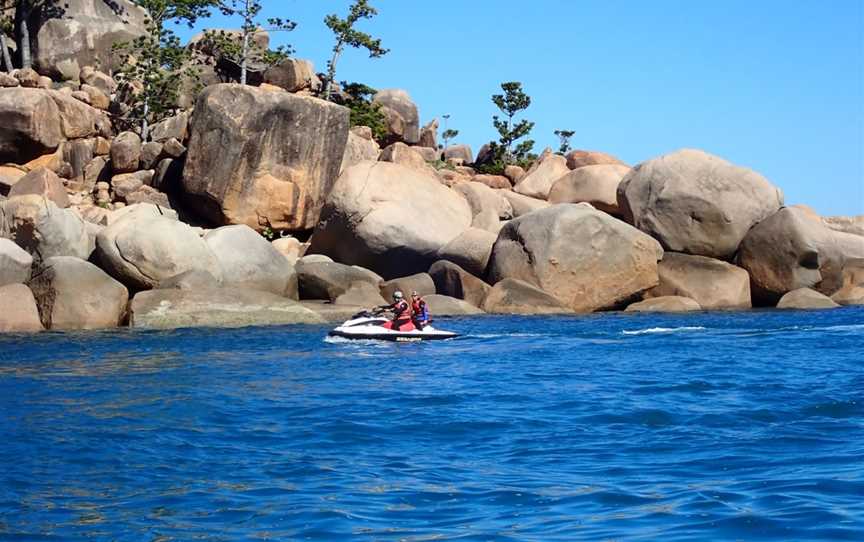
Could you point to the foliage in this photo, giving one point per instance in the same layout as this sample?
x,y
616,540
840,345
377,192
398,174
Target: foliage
x,y
503,153
365,112
346,34
242,49
154,65
447,135
564,140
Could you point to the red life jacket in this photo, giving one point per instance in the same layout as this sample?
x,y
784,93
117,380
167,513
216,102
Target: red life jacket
x,y
401,310
418,307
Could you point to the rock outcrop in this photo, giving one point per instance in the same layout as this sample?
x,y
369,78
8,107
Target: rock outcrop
x,y
378,216
43,183
597,185
696,203
226,307
805,298
359,149
248,261
713,284
542,176
403,118
361,294
522,205
668,303
578,158
329,280
421,283
44,230
451,280
514,296
470,250
262,158
15,263
583,257
19,314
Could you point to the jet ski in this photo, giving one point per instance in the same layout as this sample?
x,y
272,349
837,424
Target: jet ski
x,y
372,325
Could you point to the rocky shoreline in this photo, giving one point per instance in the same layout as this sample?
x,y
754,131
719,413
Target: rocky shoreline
x,y
261,205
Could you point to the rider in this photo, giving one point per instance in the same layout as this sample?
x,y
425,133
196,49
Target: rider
x,y
420,310
401,311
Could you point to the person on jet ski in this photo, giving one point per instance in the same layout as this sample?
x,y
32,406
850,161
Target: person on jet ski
x,y
420,311
401,311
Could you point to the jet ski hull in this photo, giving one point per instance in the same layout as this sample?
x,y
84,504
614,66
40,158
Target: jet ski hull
x,y
369,326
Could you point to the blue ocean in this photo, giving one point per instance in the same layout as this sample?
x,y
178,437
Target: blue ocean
x,y
713,426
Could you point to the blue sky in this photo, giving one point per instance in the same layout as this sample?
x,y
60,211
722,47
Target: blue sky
x,y
777,86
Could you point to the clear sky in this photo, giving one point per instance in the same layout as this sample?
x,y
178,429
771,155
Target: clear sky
x,y
775,85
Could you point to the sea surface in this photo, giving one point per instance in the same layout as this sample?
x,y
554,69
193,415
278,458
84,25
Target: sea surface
x,y
721,426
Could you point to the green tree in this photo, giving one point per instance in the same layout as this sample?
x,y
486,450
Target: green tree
x,y
346,34
242,49
510,103
365,112
155,64
447,135
564,140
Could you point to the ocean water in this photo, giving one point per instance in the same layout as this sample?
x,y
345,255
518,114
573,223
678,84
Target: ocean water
x,y
722,426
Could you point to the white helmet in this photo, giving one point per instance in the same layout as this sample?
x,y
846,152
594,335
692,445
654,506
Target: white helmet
x,y
397,295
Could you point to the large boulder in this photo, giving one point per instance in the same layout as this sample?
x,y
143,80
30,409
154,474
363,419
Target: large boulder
x,y
15,263
852,291
805,298
358,149
460,153
542,176
791,250
668,303
522,205
846,224
696,203
195,279
142,250
9,176
329,280
19,314
262,158
389,218
74,294
597,185
403,119
125,152
293,74
579,158
514,296
224,307
421,283
361,294
44,230
247,260
402,154
82,33
43,183
442,305
713,284
470,250
482,198
451,280
583,257
429,135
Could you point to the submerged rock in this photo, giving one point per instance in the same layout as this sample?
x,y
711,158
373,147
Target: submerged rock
x,y
668,303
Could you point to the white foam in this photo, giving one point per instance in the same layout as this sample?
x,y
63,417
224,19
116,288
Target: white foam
x,y
847,327
662,330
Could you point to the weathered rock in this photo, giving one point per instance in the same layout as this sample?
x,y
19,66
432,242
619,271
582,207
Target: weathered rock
x,y
176,127
482,198
53,161
15,263
522,205
514,173
421,283
428,153
788,251
41,228
223,307
538,181
330,312
97,98
78,154
361,294
493,181
290,248
852,291
454,281
402,154
247,260
293,75
81,96
148,194
429,135
168,175
8,81
151,152
31,126
378,216
126,183
583,257
459,152
141,250
442,305
846,224
696,203
578,158
174,148
329,280
27,78
74,294
19,314
403,119
44,183
514,296
195,279
470,250
805,298
125,152
669,303
83,35
451,178
258,157
597,185
359,149
317,258
9,175
97,79
713,284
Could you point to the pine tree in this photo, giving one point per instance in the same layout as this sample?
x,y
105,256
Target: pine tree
x,y
512,102
345,34
564,140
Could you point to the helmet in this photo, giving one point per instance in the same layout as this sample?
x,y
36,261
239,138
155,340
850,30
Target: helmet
x,y
397,295
415,294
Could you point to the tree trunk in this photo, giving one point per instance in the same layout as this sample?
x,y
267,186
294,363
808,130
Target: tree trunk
x,y
244,55
145,128
24,41
331,71
7,60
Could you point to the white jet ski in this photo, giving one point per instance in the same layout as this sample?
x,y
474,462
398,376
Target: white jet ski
x,y
372,325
